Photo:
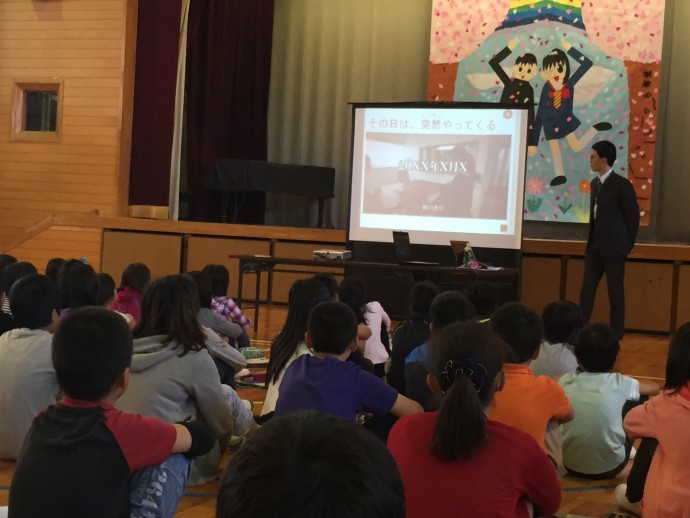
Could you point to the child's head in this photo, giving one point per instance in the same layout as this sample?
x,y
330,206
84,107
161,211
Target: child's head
x,y
521,328
468,358
678,363
304,295
329,280
5,260
525,67
203,286
555,68
15,271
315,465
220,279
35,303
53,267
136,277
353,293
596,348
449,307
421,295
92,350
331,328
106,290
78,284
562,320
169,307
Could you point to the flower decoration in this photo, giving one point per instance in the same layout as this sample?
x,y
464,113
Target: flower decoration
x,y
584,186
535,185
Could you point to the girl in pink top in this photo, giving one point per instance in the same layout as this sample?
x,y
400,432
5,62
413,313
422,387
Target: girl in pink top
x,y
135,279
666,418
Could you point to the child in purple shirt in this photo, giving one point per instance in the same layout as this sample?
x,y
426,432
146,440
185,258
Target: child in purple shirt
x,y
326,382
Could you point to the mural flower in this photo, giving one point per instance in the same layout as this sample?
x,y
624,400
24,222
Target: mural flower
x,y
584,188
534,186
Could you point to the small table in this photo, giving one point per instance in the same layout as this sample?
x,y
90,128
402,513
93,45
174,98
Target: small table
x,y
229,174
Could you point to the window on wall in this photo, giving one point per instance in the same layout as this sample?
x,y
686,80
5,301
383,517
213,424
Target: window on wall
x,y
37,110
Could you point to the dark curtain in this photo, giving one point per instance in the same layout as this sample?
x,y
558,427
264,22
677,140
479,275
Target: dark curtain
x,y
158,40
228,74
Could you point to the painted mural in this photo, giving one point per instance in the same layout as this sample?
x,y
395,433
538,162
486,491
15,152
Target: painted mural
x,y
588,70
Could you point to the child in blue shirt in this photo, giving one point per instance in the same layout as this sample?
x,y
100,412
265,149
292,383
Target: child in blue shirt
x,y
326,382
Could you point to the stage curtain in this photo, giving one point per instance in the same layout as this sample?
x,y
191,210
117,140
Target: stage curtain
x,y
228,75
158,35
176,157
325,55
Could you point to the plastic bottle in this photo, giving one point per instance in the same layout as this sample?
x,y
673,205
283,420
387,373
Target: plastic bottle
x,y
468,260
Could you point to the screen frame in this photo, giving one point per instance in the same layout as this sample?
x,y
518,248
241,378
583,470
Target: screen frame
x,y
436,105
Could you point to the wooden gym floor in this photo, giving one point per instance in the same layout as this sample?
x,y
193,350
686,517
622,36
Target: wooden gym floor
x,y
641,356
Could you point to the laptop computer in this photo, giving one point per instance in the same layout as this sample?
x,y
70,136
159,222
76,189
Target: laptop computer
x,y
403,250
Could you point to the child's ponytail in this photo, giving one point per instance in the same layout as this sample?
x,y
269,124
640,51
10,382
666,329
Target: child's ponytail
x,y
468,358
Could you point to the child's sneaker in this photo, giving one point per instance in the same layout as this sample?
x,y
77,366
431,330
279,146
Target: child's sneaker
x,y
623,502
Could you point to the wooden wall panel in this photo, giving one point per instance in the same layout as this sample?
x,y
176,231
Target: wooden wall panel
x,y
541,281
65,242
81,42
648,295
207,250
283,281
683,313
162,253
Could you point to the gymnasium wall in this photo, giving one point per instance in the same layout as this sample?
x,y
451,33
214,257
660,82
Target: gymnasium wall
x,y
88,45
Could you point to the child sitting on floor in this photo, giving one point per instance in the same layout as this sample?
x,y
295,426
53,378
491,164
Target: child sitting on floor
x,y
27,378
527,402
327,383
456,462
80,454
594,443
562,320
315,465
106,296
135,279
224,305
664,424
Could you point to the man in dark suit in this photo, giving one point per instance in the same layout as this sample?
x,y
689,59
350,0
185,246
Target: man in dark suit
x,y
614,218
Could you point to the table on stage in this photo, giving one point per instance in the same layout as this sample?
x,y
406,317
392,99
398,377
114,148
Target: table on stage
x,y
258,264
234,175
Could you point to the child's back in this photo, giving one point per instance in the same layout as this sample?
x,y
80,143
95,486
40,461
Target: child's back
x,y
78,459
27,379
326,382
562,320
666,418
526,401
82,455
594,442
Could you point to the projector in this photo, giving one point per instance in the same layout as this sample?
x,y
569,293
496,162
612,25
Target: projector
x,y
338,255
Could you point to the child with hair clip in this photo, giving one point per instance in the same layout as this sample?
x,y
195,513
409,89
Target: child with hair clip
x,y
449,459
562,320
135,279
663,423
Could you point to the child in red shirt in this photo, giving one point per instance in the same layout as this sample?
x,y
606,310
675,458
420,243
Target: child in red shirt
x,y
456,462
84,457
